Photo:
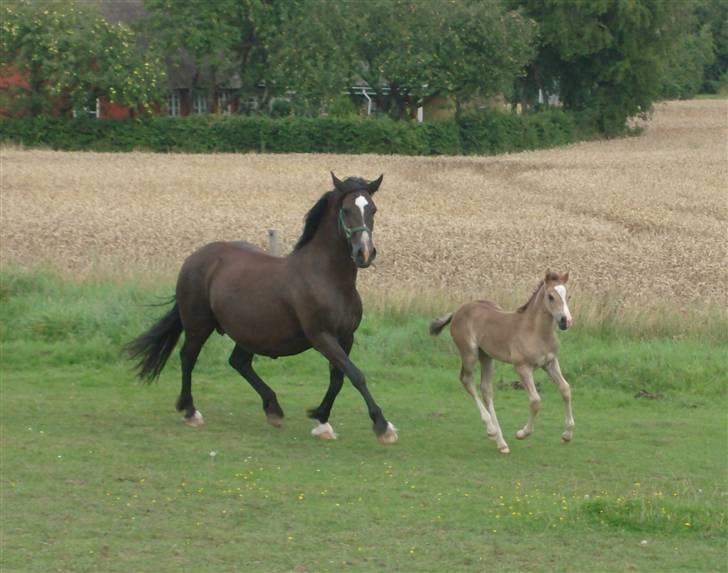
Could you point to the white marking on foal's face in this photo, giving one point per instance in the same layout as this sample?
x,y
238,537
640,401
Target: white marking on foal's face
x,y
561,289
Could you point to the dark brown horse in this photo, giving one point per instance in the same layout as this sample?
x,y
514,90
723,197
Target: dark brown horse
x,y
276,306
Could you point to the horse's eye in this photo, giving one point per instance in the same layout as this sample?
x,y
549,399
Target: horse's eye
x,y
551,298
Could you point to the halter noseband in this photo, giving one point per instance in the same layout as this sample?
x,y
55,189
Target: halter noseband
x,y
349,231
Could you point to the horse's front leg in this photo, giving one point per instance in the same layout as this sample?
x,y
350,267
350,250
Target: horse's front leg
x,y
329,346
554,371
525,372
324,430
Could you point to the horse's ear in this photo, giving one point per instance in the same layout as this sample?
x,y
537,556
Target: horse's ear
x,y
550,276
338,184
374,185
565,277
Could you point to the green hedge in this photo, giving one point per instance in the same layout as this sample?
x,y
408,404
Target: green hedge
x,y
486,132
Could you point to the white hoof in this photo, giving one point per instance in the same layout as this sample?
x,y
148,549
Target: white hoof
x,y
324,432
390,436
195,421
504,450
566,437
522,435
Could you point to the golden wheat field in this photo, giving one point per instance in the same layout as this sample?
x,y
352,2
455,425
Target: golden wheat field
x,y
644,219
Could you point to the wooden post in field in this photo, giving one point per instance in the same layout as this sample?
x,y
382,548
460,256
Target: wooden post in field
x,y
273,248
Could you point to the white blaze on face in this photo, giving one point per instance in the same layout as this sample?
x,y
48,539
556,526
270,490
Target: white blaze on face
x,y
561,289
361,202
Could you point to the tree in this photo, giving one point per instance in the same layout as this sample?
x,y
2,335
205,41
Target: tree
x,y
686,63
69,54
604,56
405,50
713,15
206,43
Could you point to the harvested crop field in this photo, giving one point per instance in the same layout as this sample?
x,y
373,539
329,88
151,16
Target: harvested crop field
x,y
642,218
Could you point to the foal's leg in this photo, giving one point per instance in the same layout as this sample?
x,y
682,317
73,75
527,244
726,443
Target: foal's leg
x,y
322,413
469,360
554,372
534,400
188,355
242,361
486,389
329,346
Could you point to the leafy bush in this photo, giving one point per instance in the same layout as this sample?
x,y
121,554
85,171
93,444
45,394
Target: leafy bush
x,y
490,132
485,132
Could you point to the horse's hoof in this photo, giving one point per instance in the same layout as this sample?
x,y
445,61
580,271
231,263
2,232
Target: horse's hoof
x,y
521,435
274,420
195,420
389,436
324,432
492,435
504,450
566,437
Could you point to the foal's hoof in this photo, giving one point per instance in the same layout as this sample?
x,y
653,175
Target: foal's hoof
x,y
274,420
492,435
504,450
521,435
195,420
389,436
324,432
566,437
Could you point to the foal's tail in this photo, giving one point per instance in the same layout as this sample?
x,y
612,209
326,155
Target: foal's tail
x,y
151,350
438,324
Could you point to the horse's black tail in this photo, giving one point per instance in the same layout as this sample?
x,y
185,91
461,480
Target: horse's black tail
x,y
151,350
438,324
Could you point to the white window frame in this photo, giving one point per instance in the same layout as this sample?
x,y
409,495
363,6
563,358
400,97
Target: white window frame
x,y
200,103
175,104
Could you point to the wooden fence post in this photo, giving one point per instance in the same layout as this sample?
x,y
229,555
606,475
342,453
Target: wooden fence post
x,y
273,248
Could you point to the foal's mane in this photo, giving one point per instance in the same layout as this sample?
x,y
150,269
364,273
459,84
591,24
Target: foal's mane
x,y
551,277
523,307
316,214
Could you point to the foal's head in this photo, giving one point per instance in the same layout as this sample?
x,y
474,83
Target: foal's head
x,y
356,216
555,298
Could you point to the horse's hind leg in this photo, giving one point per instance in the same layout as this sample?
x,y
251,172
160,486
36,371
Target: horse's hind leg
x,y
469,359
242,361
486,389
188,354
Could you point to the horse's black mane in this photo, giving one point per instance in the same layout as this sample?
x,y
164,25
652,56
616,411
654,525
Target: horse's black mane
x,y
316,214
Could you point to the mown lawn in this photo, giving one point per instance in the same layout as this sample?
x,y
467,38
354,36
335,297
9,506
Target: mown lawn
x,y
99,474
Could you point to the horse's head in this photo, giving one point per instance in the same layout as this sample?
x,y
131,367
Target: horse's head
x,y
356,211
556,300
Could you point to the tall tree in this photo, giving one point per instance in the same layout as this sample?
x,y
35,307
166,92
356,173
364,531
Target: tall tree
x,y
69,54
603,56
713,15
405,50
206,43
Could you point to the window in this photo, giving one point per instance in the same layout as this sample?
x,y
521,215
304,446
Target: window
x,y
175,104
224,102
200,103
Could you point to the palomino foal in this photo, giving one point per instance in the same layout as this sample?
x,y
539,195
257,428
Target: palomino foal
x,y
525,338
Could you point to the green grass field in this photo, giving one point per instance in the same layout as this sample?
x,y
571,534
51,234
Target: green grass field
x,y
99,474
